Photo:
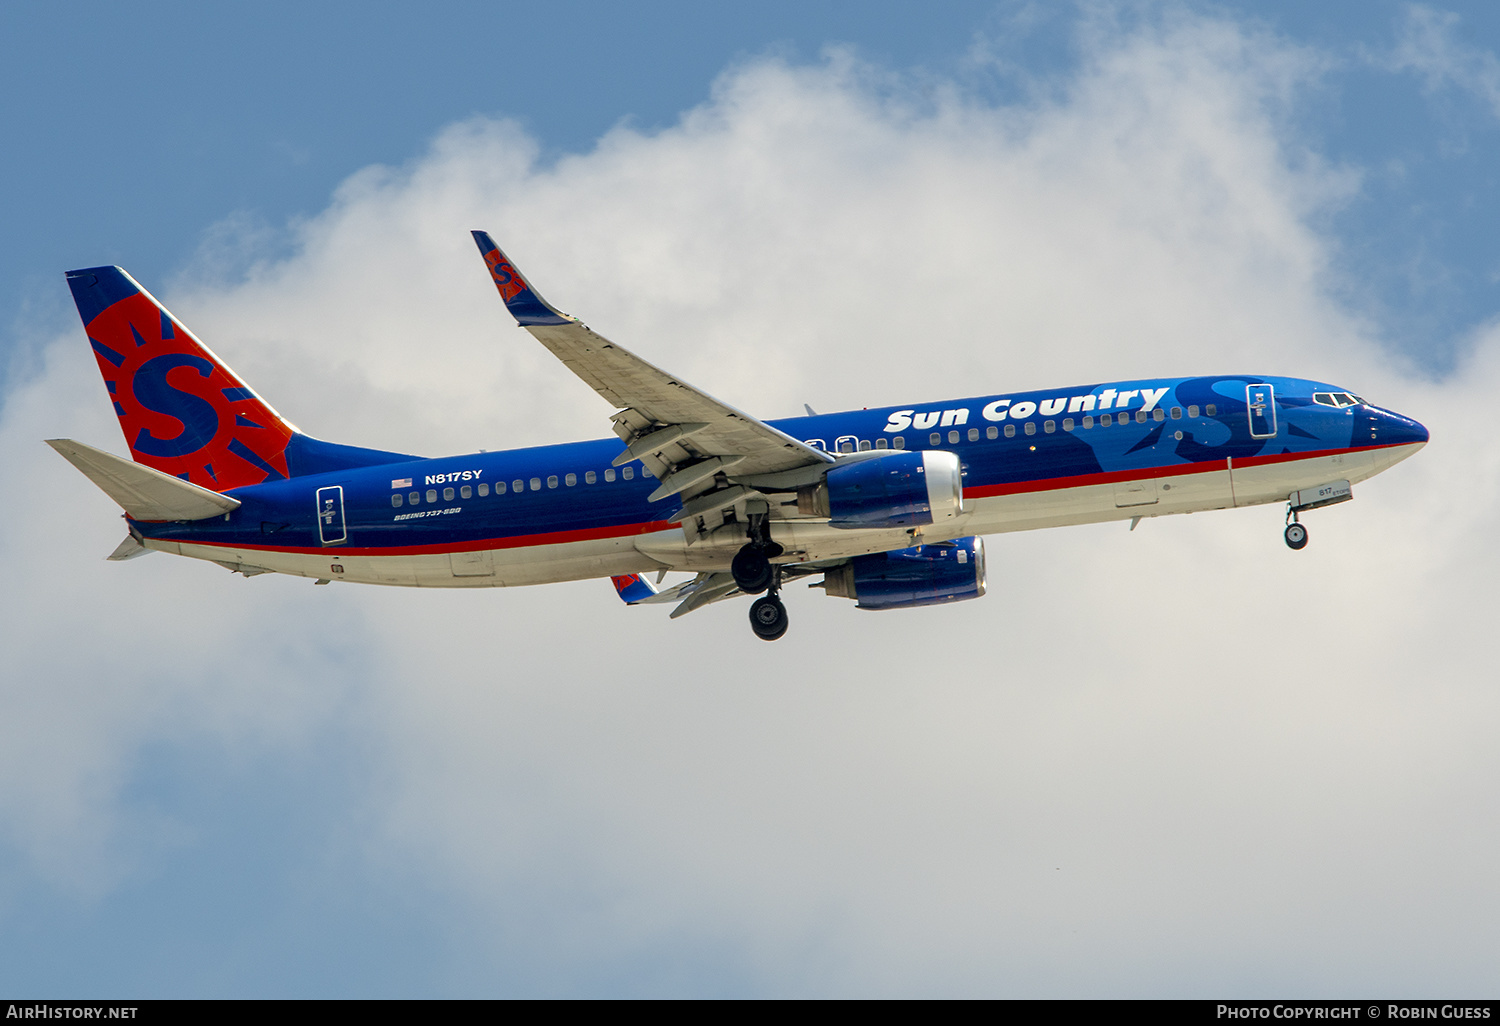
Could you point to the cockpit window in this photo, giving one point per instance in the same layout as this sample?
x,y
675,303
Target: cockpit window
x,y
1337,400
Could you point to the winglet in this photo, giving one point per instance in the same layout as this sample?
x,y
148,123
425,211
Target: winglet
x,y
525,305
633,588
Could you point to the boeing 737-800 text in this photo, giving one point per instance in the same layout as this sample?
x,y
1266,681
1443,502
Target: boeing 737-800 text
x,y
886,505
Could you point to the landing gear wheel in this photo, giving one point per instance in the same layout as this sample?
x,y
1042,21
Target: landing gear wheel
x,y
768,618
1296,536
752,570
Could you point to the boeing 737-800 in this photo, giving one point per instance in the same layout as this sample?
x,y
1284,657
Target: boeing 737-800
x,y
886,505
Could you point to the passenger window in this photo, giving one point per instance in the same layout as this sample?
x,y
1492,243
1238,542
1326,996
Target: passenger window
x,y
414,498
628,473
536,484
609,475
1192,411
647,471
818,443
935,439
551,480
899,442
1050,427
1067,423
447,494
864,446
992,432
465,492
590,478
1088,422
484,489
1177,413
1158,415
1030,427
396,499
1140,416
952,437
846,444
1010,431
1211,410
881,443
1106,419
518,485
570,480
973,434
432,495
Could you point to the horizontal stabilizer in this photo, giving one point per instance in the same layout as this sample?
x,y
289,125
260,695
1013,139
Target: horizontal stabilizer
x,y
144,493
127,549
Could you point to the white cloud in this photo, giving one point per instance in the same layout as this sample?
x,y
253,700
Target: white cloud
x,y
1183,760
1428,44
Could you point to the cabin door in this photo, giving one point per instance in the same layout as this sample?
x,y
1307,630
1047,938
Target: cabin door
x,y
331,530
1260,402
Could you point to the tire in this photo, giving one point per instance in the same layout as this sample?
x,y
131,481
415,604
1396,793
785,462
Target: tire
x,y
752,570
1296,536
768,618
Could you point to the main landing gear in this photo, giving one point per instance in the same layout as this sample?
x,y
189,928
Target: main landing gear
x,y
754,573
1296,534
768,617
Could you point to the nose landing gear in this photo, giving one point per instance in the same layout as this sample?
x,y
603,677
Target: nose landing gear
x,y
1295,534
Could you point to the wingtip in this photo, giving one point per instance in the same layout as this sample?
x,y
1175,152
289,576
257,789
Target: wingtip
x,y
524,303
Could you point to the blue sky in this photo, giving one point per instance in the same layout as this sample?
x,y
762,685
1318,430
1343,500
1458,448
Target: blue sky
x,y
133,132
221,787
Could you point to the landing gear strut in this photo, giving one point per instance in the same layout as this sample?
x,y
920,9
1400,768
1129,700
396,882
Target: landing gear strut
x,y
1296,534
752,569
754,573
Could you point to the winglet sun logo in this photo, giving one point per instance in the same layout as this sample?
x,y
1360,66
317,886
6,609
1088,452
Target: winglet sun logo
x,y
507,279
183,412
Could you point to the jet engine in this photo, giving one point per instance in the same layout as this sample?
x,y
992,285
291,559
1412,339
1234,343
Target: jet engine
x,y
900,489
927,575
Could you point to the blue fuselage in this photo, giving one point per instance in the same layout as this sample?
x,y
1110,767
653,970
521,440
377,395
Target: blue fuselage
x,y
1008,444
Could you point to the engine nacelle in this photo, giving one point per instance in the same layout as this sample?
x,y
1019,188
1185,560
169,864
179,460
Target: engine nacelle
x,y
898,489
927,575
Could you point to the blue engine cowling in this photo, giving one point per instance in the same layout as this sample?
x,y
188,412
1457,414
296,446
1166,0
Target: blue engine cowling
x,y
895,489
927,575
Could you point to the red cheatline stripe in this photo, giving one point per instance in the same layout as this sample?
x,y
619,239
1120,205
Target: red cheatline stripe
x,y
1146,473
514,542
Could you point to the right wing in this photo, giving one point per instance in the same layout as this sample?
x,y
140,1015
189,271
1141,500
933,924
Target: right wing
x,y
685,436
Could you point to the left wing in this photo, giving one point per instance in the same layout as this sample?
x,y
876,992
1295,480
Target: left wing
x,y
686,437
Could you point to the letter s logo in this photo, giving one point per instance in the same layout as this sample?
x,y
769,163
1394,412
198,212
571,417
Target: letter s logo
x,y
900,420
200,421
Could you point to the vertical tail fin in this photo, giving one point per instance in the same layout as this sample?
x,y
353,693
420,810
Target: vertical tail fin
x,y
183,411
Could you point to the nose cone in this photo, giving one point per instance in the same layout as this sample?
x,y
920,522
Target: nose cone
x,y
1394,429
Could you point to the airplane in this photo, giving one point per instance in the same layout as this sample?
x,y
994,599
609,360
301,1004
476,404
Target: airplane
x,y
886,506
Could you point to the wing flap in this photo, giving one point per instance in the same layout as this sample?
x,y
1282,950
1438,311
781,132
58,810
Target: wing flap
x,y
141,491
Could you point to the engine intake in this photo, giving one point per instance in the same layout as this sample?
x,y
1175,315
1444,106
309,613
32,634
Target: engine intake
x,y
927,575
900,489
